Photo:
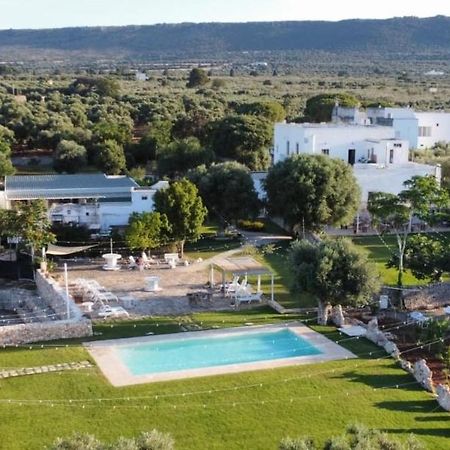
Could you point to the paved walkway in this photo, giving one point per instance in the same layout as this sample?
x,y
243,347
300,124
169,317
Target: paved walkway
x,y
45,369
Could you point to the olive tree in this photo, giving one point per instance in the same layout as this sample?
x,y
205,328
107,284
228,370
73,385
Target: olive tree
x,y
335,272
310,191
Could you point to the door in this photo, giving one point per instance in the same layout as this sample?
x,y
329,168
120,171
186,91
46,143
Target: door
x,y
351,156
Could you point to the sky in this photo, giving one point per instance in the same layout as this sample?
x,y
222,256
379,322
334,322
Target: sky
x,y
62,13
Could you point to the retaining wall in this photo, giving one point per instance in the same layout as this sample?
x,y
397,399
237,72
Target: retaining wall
x,y
47,331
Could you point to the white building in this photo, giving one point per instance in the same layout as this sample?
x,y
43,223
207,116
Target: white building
x,y
380,159
351,143
95,200
421,129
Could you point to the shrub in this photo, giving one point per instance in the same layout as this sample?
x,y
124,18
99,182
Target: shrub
x,y
251,225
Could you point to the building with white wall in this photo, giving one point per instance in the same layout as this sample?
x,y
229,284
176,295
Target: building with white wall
x,y
351,143
97,201
421,129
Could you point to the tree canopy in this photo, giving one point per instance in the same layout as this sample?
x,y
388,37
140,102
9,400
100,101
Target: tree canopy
x,y
197,77
244,138
311,191
320,107
423,198
147,230
180,156
29,222
334,271
110,158
183,206
69,157
228,191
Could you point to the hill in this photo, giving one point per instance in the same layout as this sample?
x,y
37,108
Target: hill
x,y
409,35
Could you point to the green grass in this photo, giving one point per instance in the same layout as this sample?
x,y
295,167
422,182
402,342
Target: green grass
x,y
208,247
380,250
278,262
251,410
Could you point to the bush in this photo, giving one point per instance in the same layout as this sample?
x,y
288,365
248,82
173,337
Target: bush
x,y
251,225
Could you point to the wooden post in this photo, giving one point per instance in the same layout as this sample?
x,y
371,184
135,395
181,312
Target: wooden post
x,y
258,289
271,288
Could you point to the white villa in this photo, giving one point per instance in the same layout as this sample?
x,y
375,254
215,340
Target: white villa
x,y
351,143
375,143
421,129
97,201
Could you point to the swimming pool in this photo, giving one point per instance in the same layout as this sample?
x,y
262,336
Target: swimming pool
x,y
211,352
195,353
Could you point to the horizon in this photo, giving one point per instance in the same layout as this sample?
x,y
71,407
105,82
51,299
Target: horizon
x,y
56,14
220,22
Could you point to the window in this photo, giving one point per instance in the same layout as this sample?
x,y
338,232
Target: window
x,y
398,145
87,213
144,197
297,148
326,151
391,156
288,149
424,131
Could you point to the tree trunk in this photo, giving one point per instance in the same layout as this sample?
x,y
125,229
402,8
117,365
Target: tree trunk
x,y
182,248
323,311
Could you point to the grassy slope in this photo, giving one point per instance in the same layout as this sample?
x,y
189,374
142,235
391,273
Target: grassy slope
x,y
211,421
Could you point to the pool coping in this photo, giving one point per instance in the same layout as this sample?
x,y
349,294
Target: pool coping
x,y
112,367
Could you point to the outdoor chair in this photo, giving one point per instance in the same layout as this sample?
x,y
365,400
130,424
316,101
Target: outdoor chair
x,y
132,263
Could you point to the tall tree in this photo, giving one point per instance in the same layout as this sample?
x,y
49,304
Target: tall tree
x,y
110,158
333,271
183,206
69,157
228,191
147,230
197,77
180,156
320,107
30,223
157,137
244,138
272,111
423,198
310,191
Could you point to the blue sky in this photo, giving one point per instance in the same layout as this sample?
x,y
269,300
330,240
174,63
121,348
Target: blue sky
x,y
61,13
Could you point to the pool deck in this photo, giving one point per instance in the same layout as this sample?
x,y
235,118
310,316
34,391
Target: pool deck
x,y
109,362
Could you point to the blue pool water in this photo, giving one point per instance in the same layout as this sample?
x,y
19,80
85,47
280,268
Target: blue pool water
x,y
195,353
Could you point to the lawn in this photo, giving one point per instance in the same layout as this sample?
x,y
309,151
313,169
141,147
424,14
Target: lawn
x,y
283,280
252,410
380,249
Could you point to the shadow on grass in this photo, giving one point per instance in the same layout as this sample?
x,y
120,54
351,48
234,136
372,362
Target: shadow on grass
x,y
412,406
388,381
434,419
439,432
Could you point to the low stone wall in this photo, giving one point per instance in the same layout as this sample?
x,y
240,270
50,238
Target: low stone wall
x,y
434,296
419,370
48,331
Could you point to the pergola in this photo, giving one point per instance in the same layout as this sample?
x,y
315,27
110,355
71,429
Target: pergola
x,y
242,266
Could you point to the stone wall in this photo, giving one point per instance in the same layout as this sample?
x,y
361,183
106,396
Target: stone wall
x,y
48,331
434,296
55,296
50,296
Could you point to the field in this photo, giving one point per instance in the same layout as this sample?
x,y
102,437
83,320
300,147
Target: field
x,y
252,410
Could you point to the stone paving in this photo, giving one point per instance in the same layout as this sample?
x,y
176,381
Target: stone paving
x,y
45,369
